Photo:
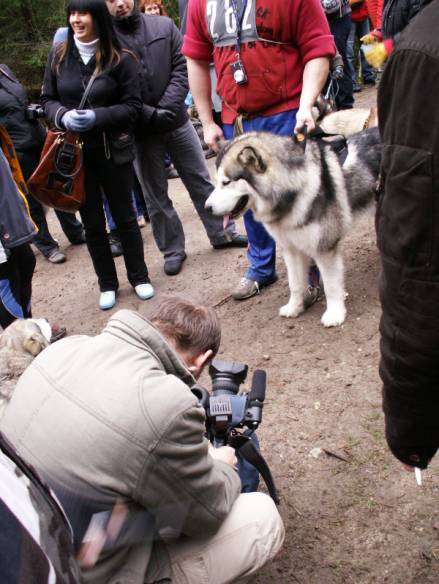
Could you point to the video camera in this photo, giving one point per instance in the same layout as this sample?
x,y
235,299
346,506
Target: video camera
x,y
229,411
34,111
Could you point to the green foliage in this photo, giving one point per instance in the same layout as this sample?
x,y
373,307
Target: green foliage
x,y
26,31
172,10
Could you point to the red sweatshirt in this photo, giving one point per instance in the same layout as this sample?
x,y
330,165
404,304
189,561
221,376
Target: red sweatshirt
x,y
278,38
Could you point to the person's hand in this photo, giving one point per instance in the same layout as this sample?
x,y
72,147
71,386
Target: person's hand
x,y
213,135
376,54
162,120
226,454
79,120
371,37
304,118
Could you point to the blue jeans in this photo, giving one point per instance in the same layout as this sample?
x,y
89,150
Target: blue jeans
x,y
358,30
261,252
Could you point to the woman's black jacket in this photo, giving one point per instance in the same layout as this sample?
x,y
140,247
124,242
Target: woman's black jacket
x,y
25,134
114,96
156,42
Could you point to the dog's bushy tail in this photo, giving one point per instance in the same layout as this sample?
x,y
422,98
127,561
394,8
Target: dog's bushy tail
x,y
361,167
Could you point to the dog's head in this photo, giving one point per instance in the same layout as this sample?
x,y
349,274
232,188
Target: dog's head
x,y
27,336
247,169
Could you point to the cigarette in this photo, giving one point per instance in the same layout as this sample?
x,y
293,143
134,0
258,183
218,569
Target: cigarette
x,y
418,476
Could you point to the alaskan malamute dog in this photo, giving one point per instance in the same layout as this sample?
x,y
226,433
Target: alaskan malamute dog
x,y
305,198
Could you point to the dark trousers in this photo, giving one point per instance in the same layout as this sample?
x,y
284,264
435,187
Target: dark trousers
x,y
16,285
117,184
43,240
341,28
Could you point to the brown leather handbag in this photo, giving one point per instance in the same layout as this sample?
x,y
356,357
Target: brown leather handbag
x,y
58,180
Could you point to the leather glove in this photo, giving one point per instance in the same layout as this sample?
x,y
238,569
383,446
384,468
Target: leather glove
x,y
375,54
162,120
79,120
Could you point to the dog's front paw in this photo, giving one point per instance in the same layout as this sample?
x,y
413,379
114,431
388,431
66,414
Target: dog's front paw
x,y
291,310
334,316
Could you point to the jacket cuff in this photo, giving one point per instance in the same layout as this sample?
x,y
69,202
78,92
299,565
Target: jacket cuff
x,y
58,116
414,444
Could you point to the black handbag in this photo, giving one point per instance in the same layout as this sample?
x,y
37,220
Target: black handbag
x,y
119,146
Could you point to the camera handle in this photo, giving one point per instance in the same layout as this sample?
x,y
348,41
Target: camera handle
x,y
253,456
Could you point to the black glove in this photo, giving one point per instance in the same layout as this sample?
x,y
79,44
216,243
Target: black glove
x,y
162,120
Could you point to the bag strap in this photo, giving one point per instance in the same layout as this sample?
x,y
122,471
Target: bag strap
x,y
88,88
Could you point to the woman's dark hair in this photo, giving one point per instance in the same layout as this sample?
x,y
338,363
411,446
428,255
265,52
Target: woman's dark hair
x,y
109,48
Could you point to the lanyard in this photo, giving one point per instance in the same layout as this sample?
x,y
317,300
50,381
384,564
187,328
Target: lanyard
x,y
239,15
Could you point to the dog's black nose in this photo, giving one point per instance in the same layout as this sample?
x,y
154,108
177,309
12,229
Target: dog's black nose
x,y
208,208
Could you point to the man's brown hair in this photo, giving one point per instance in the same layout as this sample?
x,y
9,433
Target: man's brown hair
x,y
194,328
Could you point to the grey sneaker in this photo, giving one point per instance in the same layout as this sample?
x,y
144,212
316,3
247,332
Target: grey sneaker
x,y
245,289
56,257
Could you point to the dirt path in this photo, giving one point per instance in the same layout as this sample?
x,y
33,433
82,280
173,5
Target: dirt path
x,y
352,515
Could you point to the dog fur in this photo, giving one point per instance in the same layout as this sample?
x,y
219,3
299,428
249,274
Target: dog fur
x,y
348,122
306,200
20,343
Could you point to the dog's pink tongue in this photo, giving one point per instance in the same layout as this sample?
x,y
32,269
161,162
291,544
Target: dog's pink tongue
x,y
226,220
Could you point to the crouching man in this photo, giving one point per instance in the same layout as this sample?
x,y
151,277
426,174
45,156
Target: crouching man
x,y
111,424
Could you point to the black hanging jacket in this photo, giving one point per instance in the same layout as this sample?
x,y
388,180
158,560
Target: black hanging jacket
x,y
408,239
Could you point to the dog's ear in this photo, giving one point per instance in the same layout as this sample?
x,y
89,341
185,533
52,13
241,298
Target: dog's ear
x,y
249,156
35,344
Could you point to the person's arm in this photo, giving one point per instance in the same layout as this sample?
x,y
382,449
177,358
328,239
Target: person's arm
x,y
201,88
314,77
50,99
126,111
178,85
184,487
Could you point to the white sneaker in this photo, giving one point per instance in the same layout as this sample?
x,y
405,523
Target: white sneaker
x,y
107,300
144,291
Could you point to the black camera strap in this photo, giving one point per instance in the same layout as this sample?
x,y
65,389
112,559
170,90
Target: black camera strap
x,y
249,451
239,15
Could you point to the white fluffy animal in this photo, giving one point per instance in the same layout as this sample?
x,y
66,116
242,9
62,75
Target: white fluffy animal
x,y
20,343
305,198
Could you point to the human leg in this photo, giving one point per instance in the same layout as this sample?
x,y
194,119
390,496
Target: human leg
x,y
350,52
73,229
187,155
16,285
367,71
261,251
340,28
117,183
93,218
43,240
250,536
165,223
